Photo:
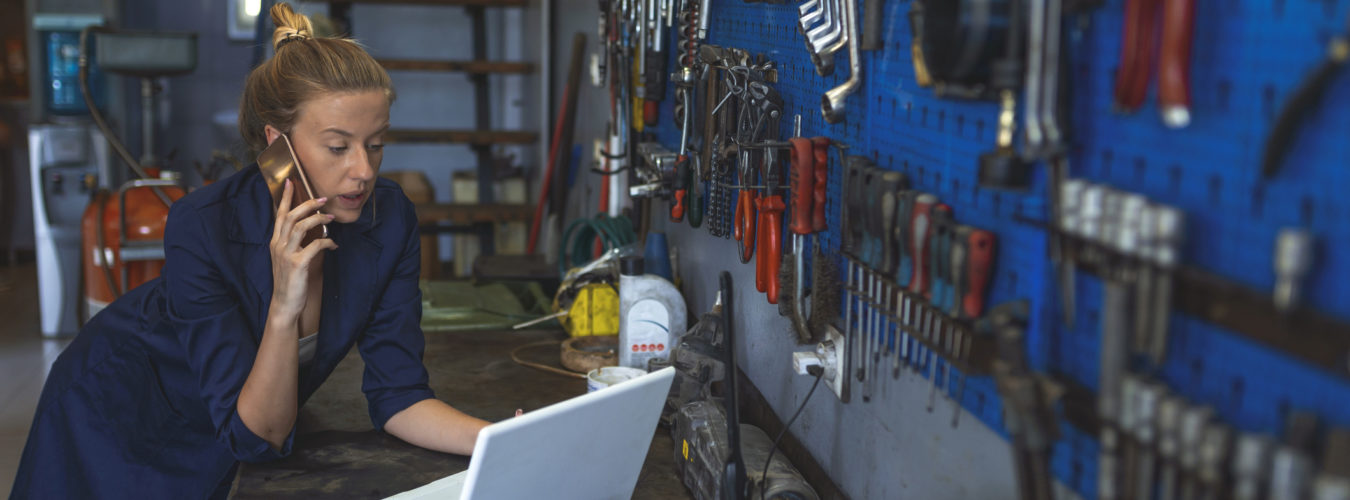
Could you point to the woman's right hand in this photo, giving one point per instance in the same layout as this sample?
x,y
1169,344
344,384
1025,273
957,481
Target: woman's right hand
x,y
291,262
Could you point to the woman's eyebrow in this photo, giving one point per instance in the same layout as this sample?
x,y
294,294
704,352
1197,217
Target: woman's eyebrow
x,y
337,131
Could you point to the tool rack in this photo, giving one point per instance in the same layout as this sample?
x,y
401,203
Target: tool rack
x,y
1248,56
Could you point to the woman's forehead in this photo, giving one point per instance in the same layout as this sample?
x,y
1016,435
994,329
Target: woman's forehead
x,y
352,112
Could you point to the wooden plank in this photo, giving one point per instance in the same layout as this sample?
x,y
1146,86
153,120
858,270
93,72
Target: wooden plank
x,y
461,136
471,213
475,67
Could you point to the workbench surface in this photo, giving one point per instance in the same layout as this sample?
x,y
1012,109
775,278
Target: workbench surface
x,y
337,454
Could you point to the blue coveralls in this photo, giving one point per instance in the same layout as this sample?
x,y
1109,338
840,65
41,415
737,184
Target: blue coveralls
x,y
142,403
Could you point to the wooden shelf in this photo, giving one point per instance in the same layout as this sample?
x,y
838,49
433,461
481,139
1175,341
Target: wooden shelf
x,y
465,3
472,213
475,67
461,136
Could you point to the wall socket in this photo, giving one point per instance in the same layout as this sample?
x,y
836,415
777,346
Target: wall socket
x,y
837,370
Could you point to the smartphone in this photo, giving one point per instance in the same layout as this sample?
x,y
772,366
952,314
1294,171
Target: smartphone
x,y
278,163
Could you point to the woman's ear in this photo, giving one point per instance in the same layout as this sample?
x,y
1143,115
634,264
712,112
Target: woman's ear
x,y
272,133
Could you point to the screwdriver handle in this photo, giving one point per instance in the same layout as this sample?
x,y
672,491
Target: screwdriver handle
x,y
1174,62
772,249
904,211
848,235
960,256
677,207
821,152
890,185
871,223
940,217
919,226
980,264
803,179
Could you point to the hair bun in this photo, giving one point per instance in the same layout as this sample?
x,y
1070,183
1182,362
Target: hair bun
x,y
291,26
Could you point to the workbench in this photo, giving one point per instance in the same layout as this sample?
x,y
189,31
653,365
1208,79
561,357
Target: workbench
x,y
338,454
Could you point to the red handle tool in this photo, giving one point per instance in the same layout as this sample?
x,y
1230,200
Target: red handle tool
x,y
920,230
677,207
821,153
803,180
1174,63
771,241
979,265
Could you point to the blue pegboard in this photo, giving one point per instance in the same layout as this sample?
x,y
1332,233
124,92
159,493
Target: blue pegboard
x,y
1246,58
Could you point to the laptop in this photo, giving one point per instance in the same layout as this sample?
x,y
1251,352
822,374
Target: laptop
x,y
588,447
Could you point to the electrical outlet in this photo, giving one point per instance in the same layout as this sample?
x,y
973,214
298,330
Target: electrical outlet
x,y
836,372
829,355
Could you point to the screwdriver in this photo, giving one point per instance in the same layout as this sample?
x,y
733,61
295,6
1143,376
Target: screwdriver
x,y
904,210
918,241
978,271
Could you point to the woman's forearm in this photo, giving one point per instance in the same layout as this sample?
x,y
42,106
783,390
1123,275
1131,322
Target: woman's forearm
x,y
434,425
267,402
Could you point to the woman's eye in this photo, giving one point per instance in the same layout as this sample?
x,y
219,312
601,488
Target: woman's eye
x,y
376,147
337,150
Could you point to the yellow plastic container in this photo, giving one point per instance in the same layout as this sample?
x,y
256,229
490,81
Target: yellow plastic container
x,y
595,311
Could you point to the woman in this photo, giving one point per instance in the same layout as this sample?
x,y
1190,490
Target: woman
x,y
165,391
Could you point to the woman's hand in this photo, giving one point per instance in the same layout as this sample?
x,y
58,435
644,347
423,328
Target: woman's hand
x,y
291,262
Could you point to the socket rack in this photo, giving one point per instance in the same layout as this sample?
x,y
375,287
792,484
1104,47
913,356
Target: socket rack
x,y
1248,56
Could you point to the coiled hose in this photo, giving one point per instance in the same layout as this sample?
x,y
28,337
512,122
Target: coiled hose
x,y
574,249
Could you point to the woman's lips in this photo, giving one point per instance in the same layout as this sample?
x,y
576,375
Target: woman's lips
x,y
351,200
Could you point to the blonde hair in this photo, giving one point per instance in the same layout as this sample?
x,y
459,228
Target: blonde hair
x,y
303,67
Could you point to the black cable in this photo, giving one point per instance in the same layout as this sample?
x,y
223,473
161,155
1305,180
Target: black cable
x,y
763,475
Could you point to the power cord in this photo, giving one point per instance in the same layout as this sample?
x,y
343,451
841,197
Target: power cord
x,y
763,476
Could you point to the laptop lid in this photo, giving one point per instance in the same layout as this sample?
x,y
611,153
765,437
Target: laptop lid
x,y
588,447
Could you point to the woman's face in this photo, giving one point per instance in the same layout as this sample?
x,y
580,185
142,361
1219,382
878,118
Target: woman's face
x,y
339,139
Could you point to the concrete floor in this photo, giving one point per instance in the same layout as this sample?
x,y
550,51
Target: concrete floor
x,y
25,357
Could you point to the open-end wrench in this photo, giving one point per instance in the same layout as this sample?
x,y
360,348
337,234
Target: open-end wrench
x,y
832,104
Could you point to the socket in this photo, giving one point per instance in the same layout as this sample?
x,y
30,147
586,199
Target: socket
x,y
829,354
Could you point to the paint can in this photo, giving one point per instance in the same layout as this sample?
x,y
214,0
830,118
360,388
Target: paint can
x,y
601,378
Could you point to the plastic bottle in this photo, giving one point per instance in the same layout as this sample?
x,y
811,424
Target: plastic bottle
x,y
651,315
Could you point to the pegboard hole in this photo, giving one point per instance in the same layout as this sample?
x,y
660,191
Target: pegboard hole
x,y
1258,201
979,402
1140,169
1215,189
979,129
1305,211
1012,280
1268,102
942,120
1197,367
960,125
1278,7
1222,91
1174,179
1284,407
923,117
1075,472
1238,386
1108,156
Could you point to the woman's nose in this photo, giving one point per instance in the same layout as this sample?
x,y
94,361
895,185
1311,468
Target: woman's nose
x,y
363,169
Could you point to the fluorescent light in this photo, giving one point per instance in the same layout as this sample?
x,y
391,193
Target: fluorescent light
x,y
252,7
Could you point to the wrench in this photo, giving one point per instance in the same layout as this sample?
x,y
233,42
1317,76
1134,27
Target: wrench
x,y
832,103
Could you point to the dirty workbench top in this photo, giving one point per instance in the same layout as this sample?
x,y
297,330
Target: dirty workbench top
x,y
337,454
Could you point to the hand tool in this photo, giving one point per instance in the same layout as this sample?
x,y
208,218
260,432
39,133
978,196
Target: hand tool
x,y
1145,255
1174,62
832,104
959,42
771,225
1099,225
1003,168
1169,225
916,27
1168,424
1029,418
848,243
802,178
1251,463
1148,397
705,7
1291,466
891,185
919,230
681,189
871,36
869,195
826,40
1052,135
1071,195
1191,435
1304,101
1293,260
820,185
939,269
744,228
1333,481
1136,54
960,273
1212,474
1127,423
977,272
904,212
1032,133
